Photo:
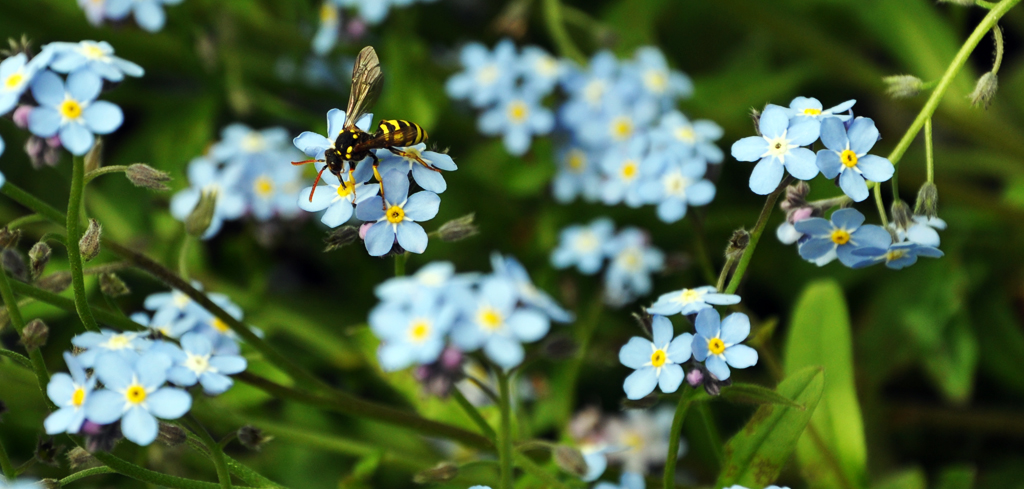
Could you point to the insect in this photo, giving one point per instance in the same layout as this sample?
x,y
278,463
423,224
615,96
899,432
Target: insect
x,y
352,144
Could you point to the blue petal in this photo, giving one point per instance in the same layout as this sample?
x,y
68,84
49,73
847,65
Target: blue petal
x,y
640,383
801,164
196,344
741,356
635,353
411,237
670,379
429,180
708,323
182,376
853,185
44,122
321,198
700,193
337,214
863,135
517,141
335,123
717,366
215,384
396,187
735,328
681,348
828,162
60,389
380,238
875,168
774,122
76,138
848,219
815,248
139,426
662,329
113,371
150,16
370,210
529,325
104,406
833,134
84,86
102,117
48,89
312,144
229,364
803,132
169,403
422,206
721,299
504,351
814,226
699,348
61,420
766,176
749,148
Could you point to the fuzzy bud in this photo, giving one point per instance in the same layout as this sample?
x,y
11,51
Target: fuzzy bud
x,y
755,116
89,245
927,200
112,286
171,435
695,377
459,229
49,484
55,282
47,451
962,3
796,196
901,217
79,458
145,176
199,220
644,320
442,472
38,257
14,263
712,385
984,90
94,158
8,238
570,460
35,334
253,438
902,86
737,244
341,237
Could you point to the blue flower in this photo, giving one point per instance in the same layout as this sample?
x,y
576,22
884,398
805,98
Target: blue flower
x,y
69,393
16,75
540,70
400,219
596,459
149,14
510,268
717,342
622,118
804,108
633,260
135,393
71,110
627,168
847,156
433,280
577,175
839,237
487,75
657,79
204,175
95,10
413,335
924,230
493,320
197,362
97,57
338,200
327,34
691,301
896,256
583,246
372,11
127,345
314,145
518,115
778,146
679,185
657,363
272,186
590,90
25,483
409,162
629,480
697,137
241,141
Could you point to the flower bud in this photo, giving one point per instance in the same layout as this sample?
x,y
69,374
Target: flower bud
x,y
570,460
695,377
737,244
9,238
442,472
796,196
341,237
94,158
49,484
89,245
458,229
112,286
14,264
902,86
199,220
755,116
38,257
927,200
35,334
55,282
145,176
171,435
253,438
644,320
712,385
984,90
47,451
901,217
79,458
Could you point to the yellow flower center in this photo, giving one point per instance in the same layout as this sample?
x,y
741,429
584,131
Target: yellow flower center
x,y
812,112
395,214
849,158
263,186
220,326
778,147
894,255
253,143
655,80
840,236
622,128
136,394
14,80
118,342
629,170
489,318
716,346
419,330
197,363
488,75
658,358
688,296
78,398
686,134
347,189
587,242
631,259
594,91
517,111
633,440
577,160
92,52
328,14
180,300
547,66
70,109
675,184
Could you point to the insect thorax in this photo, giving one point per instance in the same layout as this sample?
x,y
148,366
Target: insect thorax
x,y
348,143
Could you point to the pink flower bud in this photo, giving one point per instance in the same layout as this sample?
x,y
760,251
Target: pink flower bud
x,y
695,377
53,142
21,115
363,229
800,214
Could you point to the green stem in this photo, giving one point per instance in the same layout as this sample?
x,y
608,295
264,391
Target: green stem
x,y
400,260
984,4
238,469
895,183
929,151
103,171
553,19
183,256
669,479
129,469
505,439
474,414
729,262
82,474
74,235
549,480
5,464
755,236
18,321
17,357
881,205
216,452
23,220
997,34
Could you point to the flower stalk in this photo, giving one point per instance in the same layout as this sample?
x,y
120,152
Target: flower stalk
x,y
73,221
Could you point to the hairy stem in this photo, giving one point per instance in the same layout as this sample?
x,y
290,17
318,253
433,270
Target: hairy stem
x,y
24,220
400,260
18,321
755,236
129,469
103,171
929,151
82,474
505,439
215,450
73,222
669,478
474,414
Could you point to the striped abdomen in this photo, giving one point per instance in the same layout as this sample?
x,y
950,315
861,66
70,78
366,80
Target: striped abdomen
x,y
400,133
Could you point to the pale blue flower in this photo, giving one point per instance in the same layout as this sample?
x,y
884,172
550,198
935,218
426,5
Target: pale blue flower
x,y
339,201
25,483
510,268
622,119
314,145
149,14
434,280
413,335
627,168
327,34
486,75
540,70
629,480
839,236
493,320
691,301
400,221
591,88
241,141
426,178
717,342
809,108
847,156
71,110
924,230
206,175
679,185
372,11
95,11
596,458
777,148
97,57
657,363
127,345
632,261
658,81
698,137
517,116
16,75
272,186
69,393
897,256
583,246
135,393
578,175
198,362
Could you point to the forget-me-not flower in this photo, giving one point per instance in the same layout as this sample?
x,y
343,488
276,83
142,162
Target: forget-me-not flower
x,y
627,167
590,89
577,175
629,480
69,393
16,75
97,57
327,34
433,280
314,145
95,10
426,178
676,131
622,119
197,362
847,156
413,335
632,261
583,246
204,175
239,140
272,186
401,217
486,76
809,108
896,256
518,116
717,342
149,14
510,268
71,110
839,236
924,230
135,393
778,147
657,79
657,363
127,345
339,200
493,320
691,301
679,185
540,70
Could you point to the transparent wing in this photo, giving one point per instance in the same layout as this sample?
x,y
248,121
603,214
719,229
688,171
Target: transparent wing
x,y
367,82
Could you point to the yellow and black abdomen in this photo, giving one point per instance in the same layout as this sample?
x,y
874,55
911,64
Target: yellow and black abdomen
x,y
400,133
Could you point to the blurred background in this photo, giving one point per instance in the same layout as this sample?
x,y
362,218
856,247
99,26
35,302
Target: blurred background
x,y
937,347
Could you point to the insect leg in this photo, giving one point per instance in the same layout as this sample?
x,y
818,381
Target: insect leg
x,y
376,174
297,163
419,160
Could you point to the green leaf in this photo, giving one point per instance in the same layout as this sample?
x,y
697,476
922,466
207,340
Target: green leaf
x,y
908,479
834,454
755,455
755,394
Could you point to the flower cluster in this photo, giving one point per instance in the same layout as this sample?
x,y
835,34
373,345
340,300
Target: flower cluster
x,y
637,440
630,255
396,217
658,363
65,111
369,12
149,14
497,313
249,174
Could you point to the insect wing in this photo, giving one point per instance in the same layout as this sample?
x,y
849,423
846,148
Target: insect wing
x,y
367,82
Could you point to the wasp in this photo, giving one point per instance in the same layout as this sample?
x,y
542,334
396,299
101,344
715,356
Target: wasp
x,y
352,144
